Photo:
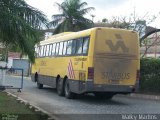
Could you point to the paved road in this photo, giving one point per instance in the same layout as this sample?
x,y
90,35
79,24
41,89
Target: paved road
x,y
48,100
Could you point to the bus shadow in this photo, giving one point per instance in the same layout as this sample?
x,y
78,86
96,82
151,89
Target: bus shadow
x,y
50,89
90,98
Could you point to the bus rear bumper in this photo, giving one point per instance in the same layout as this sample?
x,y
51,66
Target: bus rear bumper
x,y
89,87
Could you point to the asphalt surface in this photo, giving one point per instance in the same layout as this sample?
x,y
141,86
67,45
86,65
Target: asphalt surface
x,y
84,107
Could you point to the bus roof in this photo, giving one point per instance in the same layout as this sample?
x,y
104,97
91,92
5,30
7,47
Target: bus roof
x,y
67,36
59,35
72,35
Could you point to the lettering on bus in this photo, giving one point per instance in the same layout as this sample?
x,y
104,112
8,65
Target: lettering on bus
x,y
110,75
43,63
80,59
119,44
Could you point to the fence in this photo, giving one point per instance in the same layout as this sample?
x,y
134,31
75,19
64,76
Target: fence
x,y
11,78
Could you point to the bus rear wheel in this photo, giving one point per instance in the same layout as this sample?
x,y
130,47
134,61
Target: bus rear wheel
x,y
67,91
39,85
59,87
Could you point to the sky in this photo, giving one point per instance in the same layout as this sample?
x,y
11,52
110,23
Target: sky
x,y
108,8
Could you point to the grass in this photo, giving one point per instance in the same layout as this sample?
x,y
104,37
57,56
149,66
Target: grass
x,y
11,108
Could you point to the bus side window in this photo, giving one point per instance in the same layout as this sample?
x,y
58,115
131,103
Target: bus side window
x,y
47,50
85,45
61,48
57,48
39,51
36,51
65,48
69,47
42,47
44,51
53,49
79,46
50,50
73,47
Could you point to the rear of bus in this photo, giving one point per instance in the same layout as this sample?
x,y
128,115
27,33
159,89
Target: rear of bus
x,y
116,62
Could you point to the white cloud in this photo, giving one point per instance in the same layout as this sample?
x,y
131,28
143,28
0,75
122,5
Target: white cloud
x,y
106,8
47,6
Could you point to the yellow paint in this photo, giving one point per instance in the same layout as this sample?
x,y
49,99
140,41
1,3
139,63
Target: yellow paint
x,y
112,52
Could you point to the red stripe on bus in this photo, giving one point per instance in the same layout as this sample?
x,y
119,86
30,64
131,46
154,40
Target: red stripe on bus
x,y
72,70
69,75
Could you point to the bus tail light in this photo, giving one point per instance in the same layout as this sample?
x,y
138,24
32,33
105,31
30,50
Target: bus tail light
x,y
138,75
90,73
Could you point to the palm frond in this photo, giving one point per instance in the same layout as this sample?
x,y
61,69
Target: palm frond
x,y
57,16
20,25
82,5
73,12
86,10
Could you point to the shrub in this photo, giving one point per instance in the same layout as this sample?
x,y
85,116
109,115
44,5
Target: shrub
x,y
150,75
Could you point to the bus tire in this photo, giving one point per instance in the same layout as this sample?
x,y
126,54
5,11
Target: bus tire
x,y
68,93
39,85
36,77
60,87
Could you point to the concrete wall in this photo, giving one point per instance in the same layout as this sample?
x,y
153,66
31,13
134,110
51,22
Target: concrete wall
x,y
23,64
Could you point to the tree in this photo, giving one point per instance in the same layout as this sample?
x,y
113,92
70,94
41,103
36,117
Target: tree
x,y
19,25
139,24
72,17
128,23
104,20
151,41
132,22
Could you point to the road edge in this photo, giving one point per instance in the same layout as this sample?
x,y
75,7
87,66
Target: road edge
x,y
144,96
51,117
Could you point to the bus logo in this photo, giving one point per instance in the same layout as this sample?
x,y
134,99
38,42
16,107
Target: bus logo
x,y
119,44
70,70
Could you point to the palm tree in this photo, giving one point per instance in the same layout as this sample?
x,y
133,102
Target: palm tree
x,y
72,17
19,25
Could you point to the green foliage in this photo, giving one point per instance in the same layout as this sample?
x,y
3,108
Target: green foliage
x,y
104,20
9,106
20,25
72,17
2,54
150,75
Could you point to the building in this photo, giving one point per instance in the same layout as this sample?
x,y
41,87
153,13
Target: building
x,y
151,45
15,61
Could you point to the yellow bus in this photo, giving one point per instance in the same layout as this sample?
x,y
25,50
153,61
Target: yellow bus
x,y
102,61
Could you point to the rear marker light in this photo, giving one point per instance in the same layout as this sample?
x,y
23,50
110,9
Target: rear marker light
x,y
90,72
